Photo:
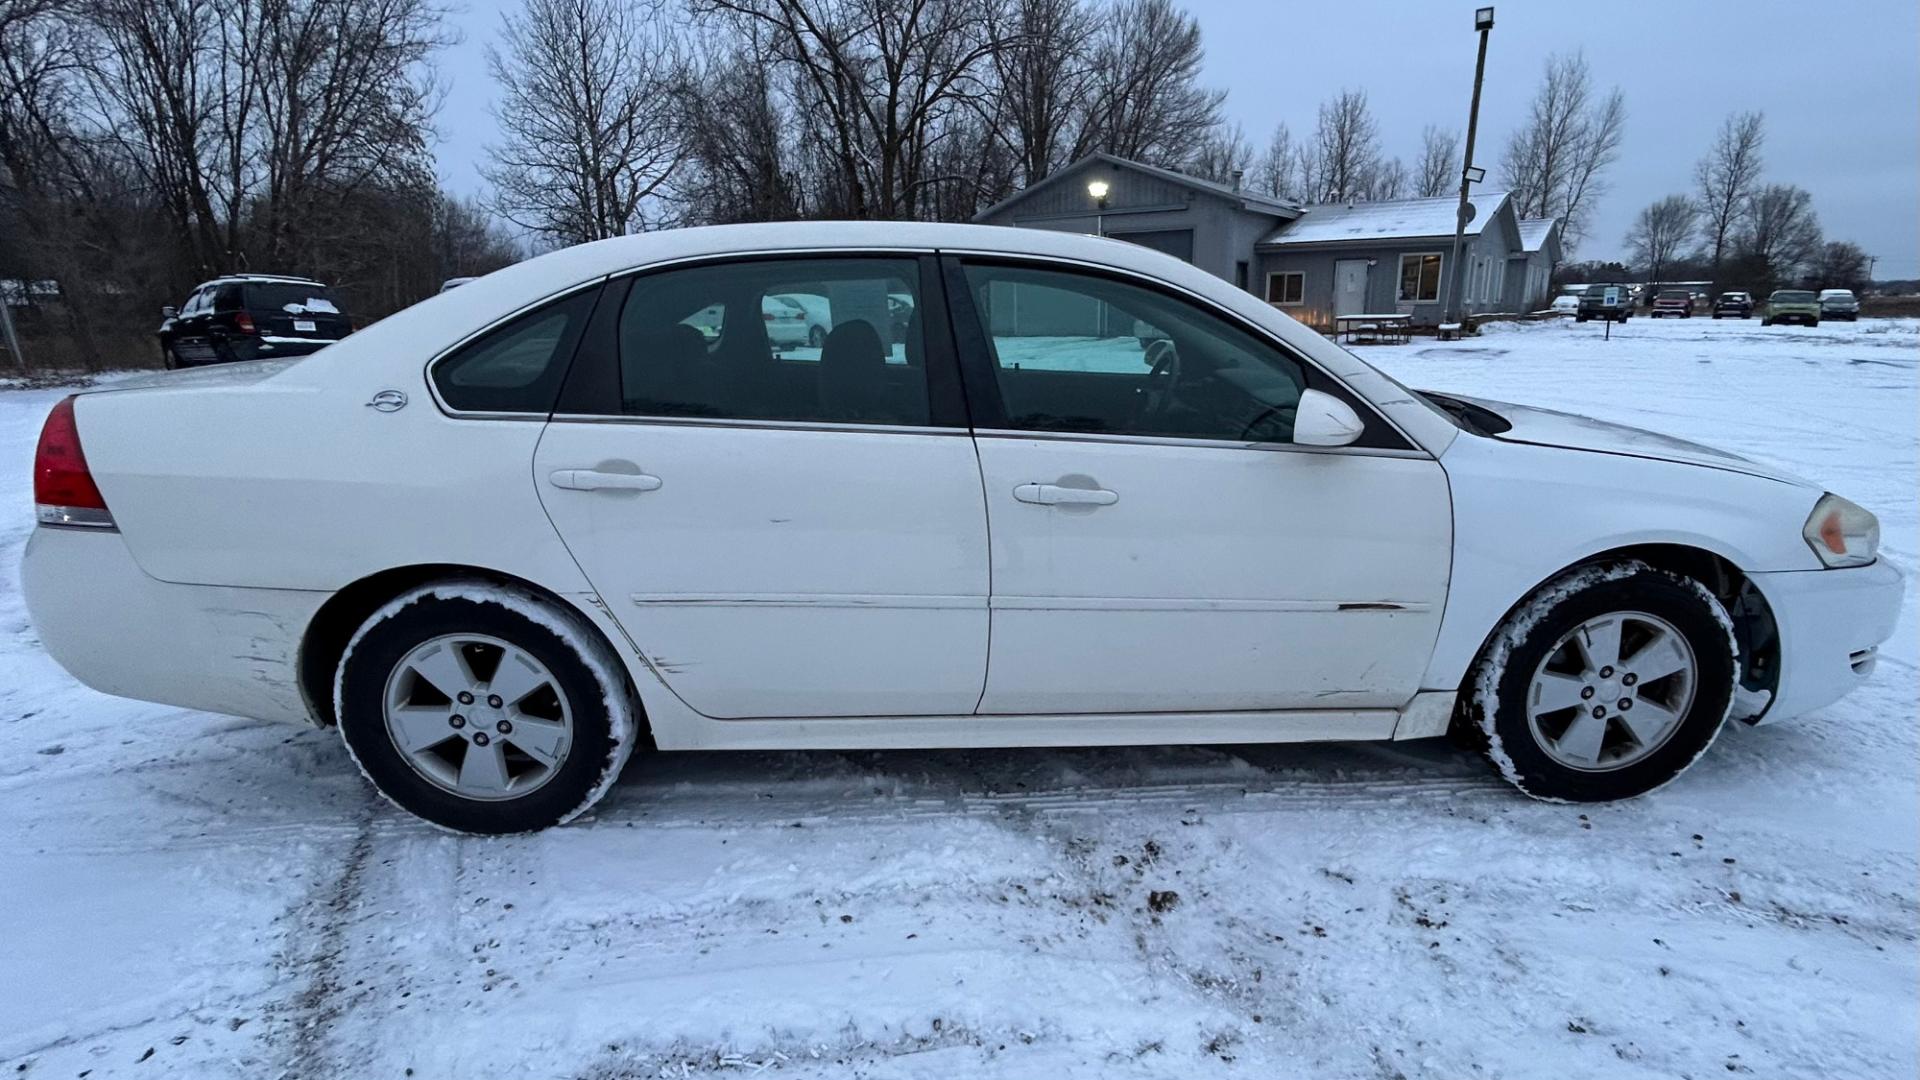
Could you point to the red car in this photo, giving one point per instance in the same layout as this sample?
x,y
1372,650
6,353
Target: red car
x,y
1673,302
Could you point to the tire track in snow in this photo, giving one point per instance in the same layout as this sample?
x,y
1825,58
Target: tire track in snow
x,y
300,1032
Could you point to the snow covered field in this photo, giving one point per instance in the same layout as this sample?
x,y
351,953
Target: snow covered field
x,y
202,896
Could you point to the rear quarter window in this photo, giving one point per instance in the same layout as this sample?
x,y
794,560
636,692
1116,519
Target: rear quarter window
x,y
516,367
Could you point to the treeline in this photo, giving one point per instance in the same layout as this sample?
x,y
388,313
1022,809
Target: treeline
x,y
146,145
1737,230
622,115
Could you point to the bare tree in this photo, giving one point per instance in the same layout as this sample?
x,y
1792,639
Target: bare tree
x,y
1839,264
1346,149
1390,180
1726,178
1780,233
1278,169
1044,70
1146,101
1224,156
880,83
1438,172
1555,161
588,111
1662,229
740,161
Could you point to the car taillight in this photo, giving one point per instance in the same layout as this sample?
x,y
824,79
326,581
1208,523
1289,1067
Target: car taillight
x,y
63,489
243,322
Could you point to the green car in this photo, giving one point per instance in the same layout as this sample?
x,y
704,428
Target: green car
x,y
1792,305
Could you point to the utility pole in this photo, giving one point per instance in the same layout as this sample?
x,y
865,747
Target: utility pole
x,y
1450,308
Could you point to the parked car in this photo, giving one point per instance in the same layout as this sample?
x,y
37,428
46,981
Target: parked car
x,y
816,317
1792,305
1733,305
1609,302
1839,304
1676,302
1565,304
515,534
250,317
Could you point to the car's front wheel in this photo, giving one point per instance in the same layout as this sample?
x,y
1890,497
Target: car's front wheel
x,y
1606,683
484,708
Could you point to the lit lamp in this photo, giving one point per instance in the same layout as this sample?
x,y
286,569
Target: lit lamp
x,y
1098,189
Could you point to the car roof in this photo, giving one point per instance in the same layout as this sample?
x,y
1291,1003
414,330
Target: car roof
x,y
264,279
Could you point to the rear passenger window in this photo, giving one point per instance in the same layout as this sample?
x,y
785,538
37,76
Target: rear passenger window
x,y
516,368
827,340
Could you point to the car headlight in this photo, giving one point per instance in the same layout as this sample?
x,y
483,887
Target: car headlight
x,y
1842,534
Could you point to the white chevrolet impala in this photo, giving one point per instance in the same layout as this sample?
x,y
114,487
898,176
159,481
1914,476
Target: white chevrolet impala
x,y
1031,489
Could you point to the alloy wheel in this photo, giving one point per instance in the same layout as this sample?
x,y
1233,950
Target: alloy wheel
x,y
1611,691
478,716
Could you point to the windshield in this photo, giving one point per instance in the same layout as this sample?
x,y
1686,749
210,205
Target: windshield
x,y
1675,294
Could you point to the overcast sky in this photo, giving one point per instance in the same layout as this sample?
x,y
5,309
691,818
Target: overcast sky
x,y
1839,82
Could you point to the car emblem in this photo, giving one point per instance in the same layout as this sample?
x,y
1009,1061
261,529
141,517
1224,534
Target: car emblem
x,y
388,401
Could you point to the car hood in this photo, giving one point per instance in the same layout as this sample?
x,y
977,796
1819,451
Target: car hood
x,y
1546,427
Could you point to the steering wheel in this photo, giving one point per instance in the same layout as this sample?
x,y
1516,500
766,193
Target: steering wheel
x,y
1271,411
1163,374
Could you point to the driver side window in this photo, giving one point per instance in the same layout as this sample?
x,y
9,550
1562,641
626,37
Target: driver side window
x,y
1081,352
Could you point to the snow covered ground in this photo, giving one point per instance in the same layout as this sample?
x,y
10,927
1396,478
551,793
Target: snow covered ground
x,y
202,896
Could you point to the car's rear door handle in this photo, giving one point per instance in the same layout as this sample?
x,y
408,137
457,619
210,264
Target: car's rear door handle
x,y
1055,495
596,480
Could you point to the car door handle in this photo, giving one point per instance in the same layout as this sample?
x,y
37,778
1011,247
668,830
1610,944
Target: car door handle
x,y
596,480
1055,495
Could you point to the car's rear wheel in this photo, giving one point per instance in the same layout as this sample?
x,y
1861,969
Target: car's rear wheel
x,y
816,338
484,709
1606,684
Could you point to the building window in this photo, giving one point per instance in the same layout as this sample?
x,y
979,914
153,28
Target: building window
x,y
1420,278
1286,287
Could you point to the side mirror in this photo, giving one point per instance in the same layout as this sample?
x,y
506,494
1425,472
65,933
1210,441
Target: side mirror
x,y
169,311
1324,420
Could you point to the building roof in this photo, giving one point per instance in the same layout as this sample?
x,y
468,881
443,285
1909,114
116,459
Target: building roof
x,y
1387,220
1248,200
1535,231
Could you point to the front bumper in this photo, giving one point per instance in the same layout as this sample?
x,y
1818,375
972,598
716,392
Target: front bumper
x,y
121,631
1830,622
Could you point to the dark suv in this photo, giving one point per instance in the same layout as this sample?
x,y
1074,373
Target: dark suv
x,y
1613,303
1733,305
250,317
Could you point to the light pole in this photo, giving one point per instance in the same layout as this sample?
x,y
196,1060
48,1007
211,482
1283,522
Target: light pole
x,y
1450,310
1098,189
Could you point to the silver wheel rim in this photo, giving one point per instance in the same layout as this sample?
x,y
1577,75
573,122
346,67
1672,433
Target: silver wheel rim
x,y
1611,691
478,716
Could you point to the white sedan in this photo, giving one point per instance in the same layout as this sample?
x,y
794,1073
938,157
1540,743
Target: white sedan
x,y
510,534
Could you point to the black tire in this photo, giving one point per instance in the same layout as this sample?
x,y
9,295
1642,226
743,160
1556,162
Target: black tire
x,y
816,338
1716,314
605,715
1813,322
169,359
1764,321
1579,318
1501,684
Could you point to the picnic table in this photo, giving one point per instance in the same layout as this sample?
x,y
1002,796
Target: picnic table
x,y
1394,327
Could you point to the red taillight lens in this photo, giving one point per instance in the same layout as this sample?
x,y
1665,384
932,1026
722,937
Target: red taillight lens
x,y
243,322
63,489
